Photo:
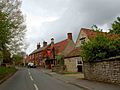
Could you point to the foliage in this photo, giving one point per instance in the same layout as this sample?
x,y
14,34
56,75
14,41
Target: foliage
x,y
95,28
5,27
12,27
115,26
1,56
60,59
17,58
100,47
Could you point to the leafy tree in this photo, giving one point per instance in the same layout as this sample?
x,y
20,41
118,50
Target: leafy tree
x,y
115,26
60,59
100,47
17,59
12,27
95,28
5,33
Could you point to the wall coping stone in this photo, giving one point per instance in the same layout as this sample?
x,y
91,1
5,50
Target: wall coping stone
x,y
116,58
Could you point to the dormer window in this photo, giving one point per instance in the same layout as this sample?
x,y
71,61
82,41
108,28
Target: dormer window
x,y
82,40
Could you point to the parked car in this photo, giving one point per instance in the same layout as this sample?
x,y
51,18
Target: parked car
x,y
31,65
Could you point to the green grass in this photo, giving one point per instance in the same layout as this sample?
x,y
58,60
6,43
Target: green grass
x,y
4,71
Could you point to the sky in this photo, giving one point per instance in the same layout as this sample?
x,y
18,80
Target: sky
x,y
46,19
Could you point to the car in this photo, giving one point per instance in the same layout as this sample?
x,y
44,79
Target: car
x,y
31,65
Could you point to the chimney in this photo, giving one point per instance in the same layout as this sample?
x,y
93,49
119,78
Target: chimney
x,y
52,40
44,43
69,36
38,45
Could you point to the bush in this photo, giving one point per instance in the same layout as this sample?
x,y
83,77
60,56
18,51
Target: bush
x,y
100,47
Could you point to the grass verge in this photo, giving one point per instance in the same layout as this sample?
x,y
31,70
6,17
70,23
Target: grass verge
x,y
6,72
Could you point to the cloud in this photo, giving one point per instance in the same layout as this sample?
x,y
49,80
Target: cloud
x,y
54,18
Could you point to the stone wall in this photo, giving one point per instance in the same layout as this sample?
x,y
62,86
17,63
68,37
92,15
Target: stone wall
x,y
70,64
104,70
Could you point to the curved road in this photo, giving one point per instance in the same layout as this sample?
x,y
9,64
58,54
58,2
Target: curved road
x,y
35,79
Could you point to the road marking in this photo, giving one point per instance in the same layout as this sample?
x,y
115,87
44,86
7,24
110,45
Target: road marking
x,y
36,87
29,73
31,78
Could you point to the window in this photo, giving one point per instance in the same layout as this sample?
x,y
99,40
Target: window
x,y
79,62
82,40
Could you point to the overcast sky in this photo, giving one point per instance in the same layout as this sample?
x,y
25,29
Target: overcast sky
x,y
55,18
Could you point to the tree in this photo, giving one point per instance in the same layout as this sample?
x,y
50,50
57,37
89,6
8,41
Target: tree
x,y
17,59
1,56
95,28
5,33
15,26
115,26
100,47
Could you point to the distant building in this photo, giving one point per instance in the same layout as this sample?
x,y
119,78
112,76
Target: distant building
x,y
46,55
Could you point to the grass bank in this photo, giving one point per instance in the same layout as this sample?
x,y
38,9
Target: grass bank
x,y
6,71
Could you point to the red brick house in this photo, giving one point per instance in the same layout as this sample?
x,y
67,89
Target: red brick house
x,y
38,55
61,48
46,55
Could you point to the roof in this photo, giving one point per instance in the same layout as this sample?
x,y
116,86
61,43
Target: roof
x,y
91,33
38,50
60,46
74,53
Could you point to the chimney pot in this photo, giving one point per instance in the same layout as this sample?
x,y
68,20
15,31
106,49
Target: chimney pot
x,y
38,45
44,43
52,40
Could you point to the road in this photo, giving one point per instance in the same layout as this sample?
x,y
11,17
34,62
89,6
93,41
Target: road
x,y
35,79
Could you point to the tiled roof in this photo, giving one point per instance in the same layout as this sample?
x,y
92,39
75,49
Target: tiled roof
x,y
91,33
38,50
74,53
60,46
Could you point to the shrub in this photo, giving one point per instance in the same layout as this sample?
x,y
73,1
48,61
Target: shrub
x,y
100,47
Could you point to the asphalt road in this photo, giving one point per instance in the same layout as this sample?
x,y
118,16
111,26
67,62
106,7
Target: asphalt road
x,y
35,79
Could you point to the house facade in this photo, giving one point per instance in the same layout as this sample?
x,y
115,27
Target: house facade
x,y
73,61
46,56
59,49
38,55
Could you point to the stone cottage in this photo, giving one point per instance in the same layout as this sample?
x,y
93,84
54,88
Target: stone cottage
x,y
73,61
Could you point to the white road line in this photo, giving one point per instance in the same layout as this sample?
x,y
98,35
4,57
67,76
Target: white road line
x,y
31,78
36,87
29,73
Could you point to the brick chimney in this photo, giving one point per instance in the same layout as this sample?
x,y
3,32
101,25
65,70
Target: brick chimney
x,y
69,36
38,45
44,43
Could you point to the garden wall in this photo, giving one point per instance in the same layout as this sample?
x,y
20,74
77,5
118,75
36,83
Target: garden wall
x,y
107,70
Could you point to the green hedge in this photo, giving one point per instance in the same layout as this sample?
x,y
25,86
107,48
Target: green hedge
x,y
100,47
